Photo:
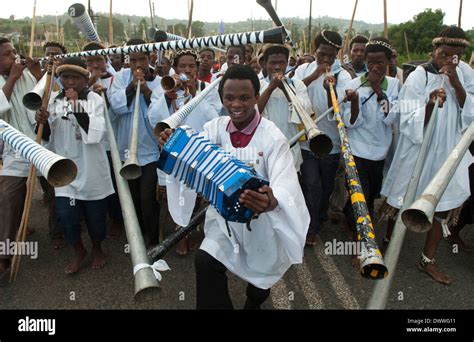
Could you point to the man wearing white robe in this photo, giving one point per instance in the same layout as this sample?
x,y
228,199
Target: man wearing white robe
x,y
122,101
15,81
75,124
273,103
441,77
318,174
263,254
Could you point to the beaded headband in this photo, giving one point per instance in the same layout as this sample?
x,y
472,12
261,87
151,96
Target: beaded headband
x,y
380,43
337,46
450,41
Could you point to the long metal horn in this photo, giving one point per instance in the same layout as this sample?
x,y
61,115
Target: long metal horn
x,y
58,170
131,169
275,35
174,120
419,216
169,83
33,99
319,143
146,285
371,263
381,290
83,22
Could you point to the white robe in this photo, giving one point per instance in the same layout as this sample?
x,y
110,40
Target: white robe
x,y
16,114
370,135
451,122
319,100
277,110
87,150
277,239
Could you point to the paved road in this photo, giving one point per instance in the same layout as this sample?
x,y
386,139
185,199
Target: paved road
x,y
321,282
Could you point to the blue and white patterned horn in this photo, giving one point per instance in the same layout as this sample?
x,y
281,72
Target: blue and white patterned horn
x,y
83,22
162,36
275,35
176,119
58,170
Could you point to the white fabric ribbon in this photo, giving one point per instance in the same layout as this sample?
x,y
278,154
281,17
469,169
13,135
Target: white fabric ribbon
x,y
157,267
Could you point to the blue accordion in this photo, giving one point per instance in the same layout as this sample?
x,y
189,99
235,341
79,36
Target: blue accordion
x,y
212,172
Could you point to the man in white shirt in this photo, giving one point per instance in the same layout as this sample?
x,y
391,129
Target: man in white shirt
x,y
370,115
318,174
75,126
273,103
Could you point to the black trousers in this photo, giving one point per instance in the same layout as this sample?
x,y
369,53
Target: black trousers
x,y
212,292
371,177
143,190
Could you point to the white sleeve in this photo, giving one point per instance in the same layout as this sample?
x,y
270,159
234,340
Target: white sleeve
x,y
290,219
117,94
4,104
158,109
412,118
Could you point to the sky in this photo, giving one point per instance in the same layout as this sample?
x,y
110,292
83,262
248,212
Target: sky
x,y
370,11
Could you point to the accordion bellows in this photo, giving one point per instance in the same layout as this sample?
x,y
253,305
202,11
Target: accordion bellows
x,y
212,172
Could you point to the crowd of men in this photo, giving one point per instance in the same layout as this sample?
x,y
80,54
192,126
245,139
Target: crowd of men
x,y
252,116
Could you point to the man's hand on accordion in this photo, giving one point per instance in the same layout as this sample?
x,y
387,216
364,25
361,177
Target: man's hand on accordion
x,y
259,201
164,136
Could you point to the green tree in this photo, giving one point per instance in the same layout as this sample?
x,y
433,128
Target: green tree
x,y
117,26
197,29
70,31
420,31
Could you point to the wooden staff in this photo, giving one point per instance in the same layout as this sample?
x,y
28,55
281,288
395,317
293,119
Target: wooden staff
x,y
32,34
151,14
406,45
460,13
349,32
111,27
190,21
31,181
385,24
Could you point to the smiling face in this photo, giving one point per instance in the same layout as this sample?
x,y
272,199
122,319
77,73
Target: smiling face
x,y
238,97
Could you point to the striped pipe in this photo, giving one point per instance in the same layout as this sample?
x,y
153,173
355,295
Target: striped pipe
x,y
275,35
58,170
371,261
83,22
162,36
176,119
